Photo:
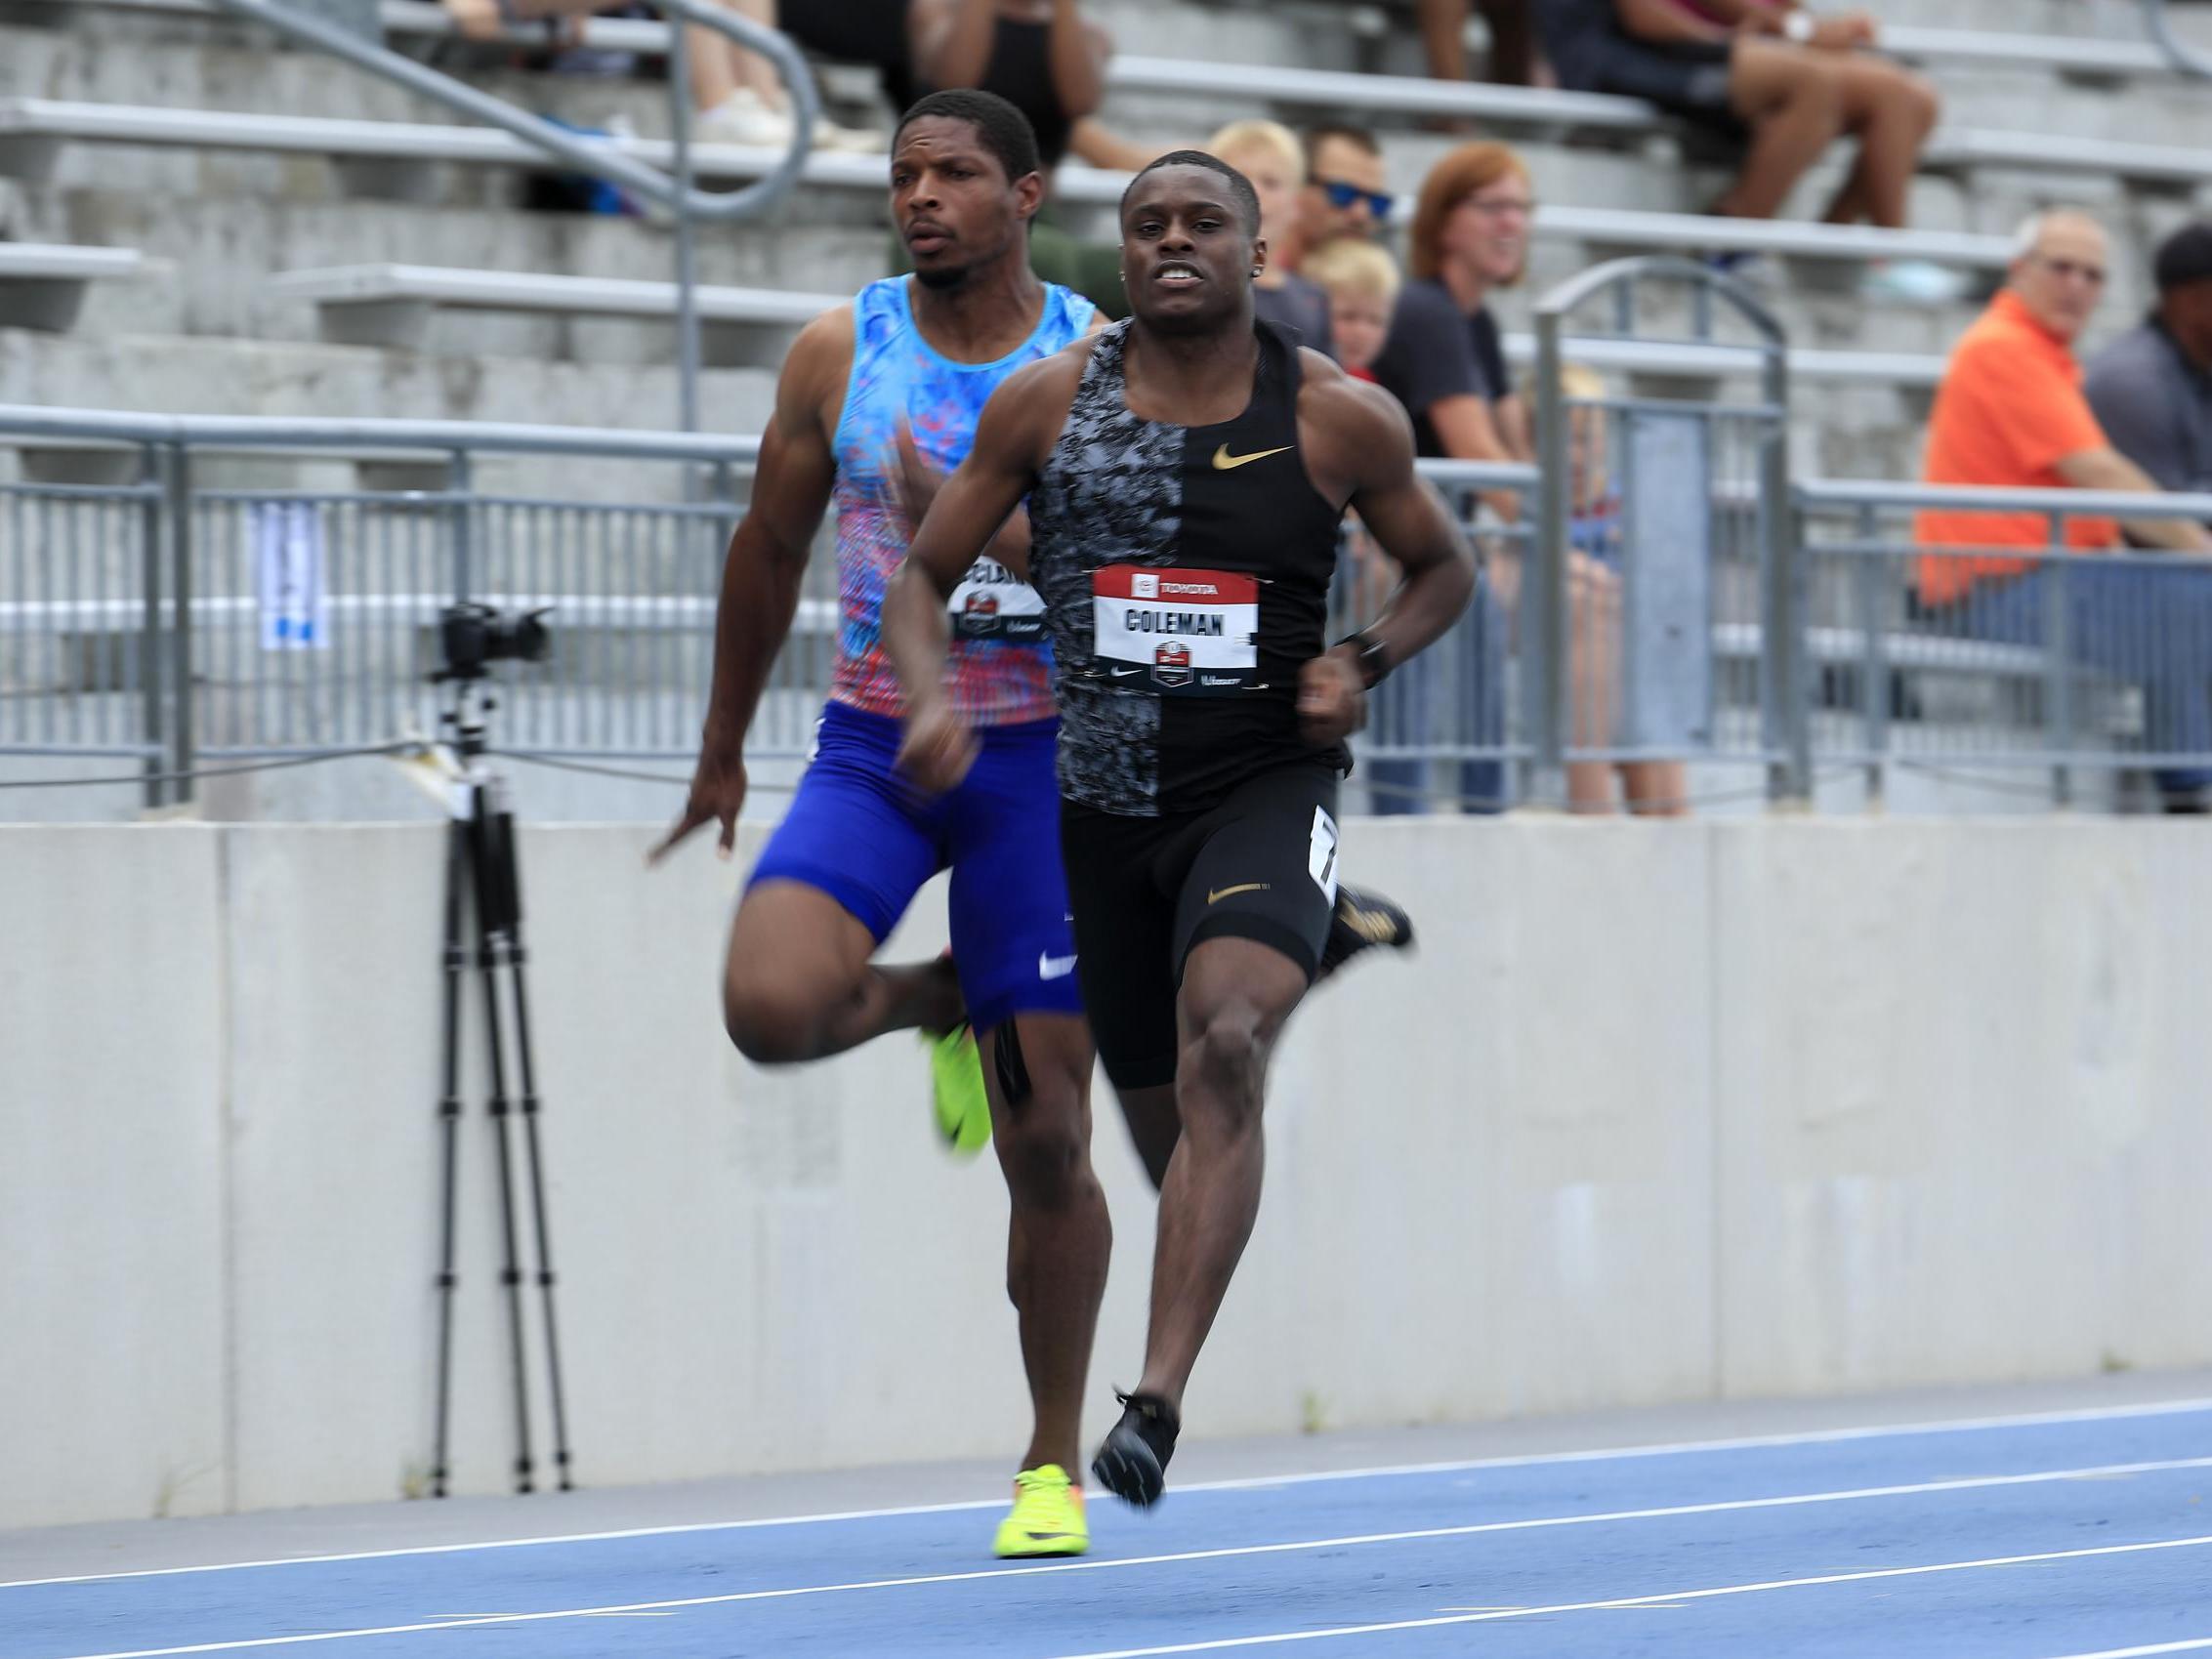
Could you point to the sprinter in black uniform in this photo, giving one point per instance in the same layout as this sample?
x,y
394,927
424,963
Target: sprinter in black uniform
x,y
1185,472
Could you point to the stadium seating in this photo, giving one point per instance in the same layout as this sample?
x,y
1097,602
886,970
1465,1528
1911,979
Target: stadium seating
x,y
42,286
254,171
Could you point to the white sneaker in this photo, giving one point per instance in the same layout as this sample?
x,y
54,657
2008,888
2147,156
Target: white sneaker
x,y
1914,283
744,118
859,140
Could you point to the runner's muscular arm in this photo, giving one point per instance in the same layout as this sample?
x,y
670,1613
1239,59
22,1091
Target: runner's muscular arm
x,y
1406,515
764,566
968,512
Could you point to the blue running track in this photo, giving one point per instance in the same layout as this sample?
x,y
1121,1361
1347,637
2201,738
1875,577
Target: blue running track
x,y
2027,1538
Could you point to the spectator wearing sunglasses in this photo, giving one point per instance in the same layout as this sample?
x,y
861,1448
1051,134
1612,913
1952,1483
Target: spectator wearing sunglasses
x,y
2011,413
1344,194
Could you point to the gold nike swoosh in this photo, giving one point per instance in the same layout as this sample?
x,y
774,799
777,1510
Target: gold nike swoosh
x,y
1245,887
1224,461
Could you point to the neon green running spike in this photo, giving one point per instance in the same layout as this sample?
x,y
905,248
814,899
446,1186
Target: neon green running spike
x,y
956,1091
1047,1519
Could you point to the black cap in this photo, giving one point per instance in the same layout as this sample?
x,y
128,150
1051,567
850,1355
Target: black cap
x,y
2185,257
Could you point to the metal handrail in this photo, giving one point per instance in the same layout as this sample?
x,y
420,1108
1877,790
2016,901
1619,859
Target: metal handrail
x,y
389,438
1811,494
1546,601
677,194
429,437
2188,58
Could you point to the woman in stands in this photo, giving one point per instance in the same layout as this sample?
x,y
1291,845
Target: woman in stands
x,y
1445,360
1788,81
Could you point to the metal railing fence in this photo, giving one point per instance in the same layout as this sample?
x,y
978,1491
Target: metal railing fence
x,y
171,619
1662,533
2015,653
177,622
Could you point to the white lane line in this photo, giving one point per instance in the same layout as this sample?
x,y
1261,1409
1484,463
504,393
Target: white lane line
x,y
1279,1636
1225,1553
1530,1460
2196,1644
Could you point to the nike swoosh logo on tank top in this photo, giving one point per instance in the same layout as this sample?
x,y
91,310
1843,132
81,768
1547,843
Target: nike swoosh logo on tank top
x,y
1186,589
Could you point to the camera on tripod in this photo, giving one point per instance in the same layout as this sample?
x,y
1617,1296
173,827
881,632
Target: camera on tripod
x,y
471,637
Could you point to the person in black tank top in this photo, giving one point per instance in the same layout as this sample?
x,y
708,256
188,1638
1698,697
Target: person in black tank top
x,y
1185,472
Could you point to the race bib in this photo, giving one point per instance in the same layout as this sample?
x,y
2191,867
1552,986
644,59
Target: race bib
x,y
991,603
1184,632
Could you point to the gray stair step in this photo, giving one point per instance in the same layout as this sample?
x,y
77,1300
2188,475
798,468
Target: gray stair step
x,y
175,375
219,252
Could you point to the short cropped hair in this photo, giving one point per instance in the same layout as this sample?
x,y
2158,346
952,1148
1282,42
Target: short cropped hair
x,y
1240,189
1004,130
1359,138
2028,236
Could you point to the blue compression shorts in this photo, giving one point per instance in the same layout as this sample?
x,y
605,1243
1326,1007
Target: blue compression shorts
x,y
860,833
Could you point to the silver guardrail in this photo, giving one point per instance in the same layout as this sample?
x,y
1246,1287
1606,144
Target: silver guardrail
x,y
177,622
1931,649
1698,493
2186,55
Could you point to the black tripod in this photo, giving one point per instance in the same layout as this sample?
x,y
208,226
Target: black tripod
x,y
480,878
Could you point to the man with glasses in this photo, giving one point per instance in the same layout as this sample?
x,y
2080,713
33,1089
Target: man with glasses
x,y
1345,195
2011,414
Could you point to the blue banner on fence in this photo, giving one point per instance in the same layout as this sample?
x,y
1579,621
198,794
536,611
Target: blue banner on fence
x,y
295,608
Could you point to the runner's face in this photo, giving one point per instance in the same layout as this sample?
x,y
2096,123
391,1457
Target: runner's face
x,y
1186,258
952,202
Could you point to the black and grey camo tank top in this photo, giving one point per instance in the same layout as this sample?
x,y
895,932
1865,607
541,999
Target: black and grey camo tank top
x,y
1186,573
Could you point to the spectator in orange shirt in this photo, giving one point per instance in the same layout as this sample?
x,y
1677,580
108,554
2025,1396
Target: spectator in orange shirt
x,y
2011,414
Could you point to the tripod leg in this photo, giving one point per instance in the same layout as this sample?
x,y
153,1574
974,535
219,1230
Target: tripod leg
x,y
448,1116
511,896
489,938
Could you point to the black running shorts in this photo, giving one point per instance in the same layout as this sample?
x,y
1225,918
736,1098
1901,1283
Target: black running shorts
x,y
1146,891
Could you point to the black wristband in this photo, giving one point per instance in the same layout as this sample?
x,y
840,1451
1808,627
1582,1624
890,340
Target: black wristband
x,y
1372,657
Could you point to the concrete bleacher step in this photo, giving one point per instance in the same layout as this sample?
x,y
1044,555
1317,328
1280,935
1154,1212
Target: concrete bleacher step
x,y
219,251
43,284
172,375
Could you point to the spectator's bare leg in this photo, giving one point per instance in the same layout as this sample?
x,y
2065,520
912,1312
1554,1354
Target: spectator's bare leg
x,y
750,68
1593,680
1513,42
1443,37
1793,99
1891,112
1656,789
712,79
721,66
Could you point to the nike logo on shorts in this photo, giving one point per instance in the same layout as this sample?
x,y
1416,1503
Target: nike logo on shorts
x,y
1214,898
1050,967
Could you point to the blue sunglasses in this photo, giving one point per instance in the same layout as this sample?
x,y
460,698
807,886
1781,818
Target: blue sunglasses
x,y
1342,194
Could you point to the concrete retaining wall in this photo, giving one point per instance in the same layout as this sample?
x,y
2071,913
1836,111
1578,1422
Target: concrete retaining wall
x,y
1661,1112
